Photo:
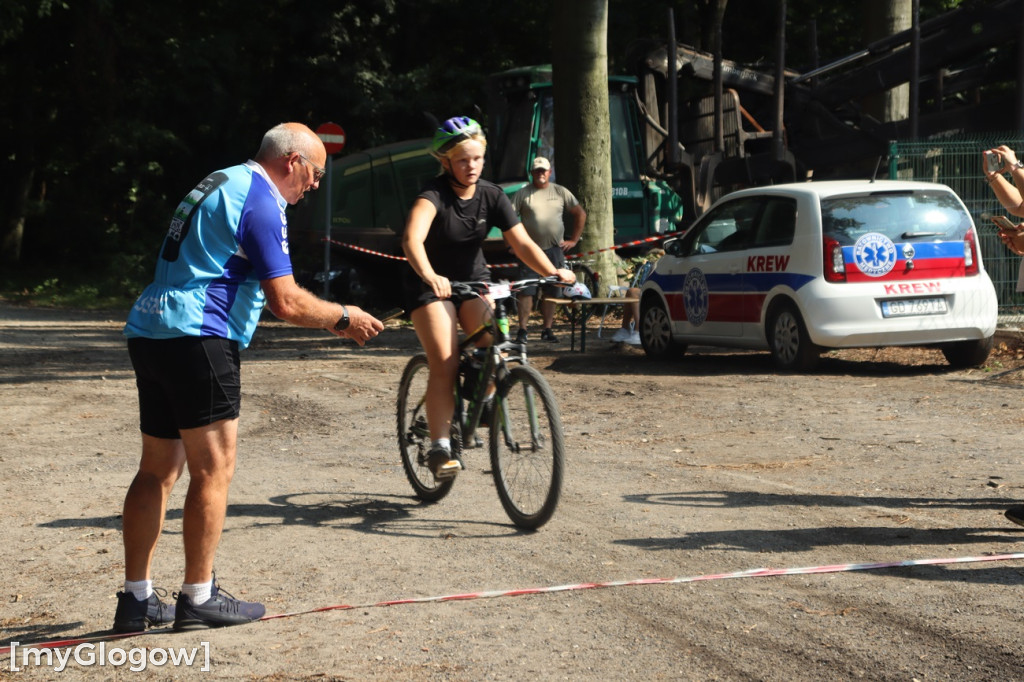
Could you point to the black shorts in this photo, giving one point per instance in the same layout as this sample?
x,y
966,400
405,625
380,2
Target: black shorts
x,y
557,258
417,293
185,382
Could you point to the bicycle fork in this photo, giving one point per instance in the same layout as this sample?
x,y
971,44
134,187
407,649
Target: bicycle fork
x,y
503,421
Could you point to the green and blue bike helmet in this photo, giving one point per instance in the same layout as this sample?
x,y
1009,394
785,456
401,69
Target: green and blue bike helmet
x,y
452,132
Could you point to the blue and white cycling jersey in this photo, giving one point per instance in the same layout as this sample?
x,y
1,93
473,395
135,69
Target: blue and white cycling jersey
x,y
229,233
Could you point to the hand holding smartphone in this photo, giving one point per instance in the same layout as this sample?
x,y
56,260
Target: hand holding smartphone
x,y
1014,241
993,162
1004,224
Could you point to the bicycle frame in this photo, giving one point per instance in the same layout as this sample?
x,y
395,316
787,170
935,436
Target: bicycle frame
x,y
493,368
500,351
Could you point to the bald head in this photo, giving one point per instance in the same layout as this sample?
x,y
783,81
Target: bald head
x,y
294,159
285,138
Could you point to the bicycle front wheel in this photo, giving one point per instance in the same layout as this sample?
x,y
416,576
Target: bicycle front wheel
x,y
527,458
413,434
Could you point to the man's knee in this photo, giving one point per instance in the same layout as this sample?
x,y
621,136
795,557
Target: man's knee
x,y
151,481
212,467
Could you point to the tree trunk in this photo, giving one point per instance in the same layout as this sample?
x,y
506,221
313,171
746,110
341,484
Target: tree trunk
x,y
12,232
582,156
882,18
14,213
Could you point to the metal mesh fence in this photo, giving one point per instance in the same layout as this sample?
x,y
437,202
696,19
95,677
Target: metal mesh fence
x,y
956,162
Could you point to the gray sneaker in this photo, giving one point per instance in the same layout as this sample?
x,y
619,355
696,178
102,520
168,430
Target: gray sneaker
x,y
133,615
219,611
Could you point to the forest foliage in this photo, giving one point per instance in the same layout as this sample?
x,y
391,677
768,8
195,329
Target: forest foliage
x,y
115,108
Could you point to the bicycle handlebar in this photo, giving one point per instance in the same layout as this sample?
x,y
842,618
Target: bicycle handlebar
x,y
479,288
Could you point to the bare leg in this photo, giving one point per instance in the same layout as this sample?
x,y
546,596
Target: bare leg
x,y
547,311
525,309
145,504
210,453
631,311
435,327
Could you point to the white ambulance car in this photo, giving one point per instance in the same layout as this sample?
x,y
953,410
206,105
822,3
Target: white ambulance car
x,y
801,268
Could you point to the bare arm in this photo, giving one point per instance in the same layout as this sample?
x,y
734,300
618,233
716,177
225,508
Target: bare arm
x,y
416,228
579,219
291,303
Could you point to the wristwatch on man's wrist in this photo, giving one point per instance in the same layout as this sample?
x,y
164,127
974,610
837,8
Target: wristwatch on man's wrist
x,y
1019,164
343,322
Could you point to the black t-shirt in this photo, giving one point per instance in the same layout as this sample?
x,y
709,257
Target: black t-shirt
x,y
461,225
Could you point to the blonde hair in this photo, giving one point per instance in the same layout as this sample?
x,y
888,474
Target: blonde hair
x,y
477,137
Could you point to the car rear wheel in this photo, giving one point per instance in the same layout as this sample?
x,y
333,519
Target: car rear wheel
x,y
968,353
656,331
789,341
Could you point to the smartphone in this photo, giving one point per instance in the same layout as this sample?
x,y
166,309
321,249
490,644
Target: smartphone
x,y
392,314
993,162
1004,223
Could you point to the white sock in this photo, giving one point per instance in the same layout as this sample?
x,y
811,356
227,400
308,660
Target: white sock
x,y
199,593
446,443
140,589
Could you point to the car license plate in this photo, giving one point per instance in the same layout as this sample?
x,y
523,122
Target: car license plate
x,y
914,306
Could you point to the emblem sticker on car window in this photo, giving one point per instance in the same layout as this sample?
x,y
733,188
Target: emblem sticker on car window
x,y
874,254
695,297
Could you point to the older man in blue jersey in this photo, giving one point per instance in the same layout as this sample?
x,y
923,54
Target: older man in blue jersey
x,y
224,257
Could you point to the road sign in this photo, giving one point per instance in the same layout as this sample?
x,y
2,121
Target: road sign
x,y
333,137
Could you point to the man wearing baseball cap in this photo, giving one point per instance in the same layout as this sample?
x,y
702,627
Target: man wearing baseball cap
x,y
541,206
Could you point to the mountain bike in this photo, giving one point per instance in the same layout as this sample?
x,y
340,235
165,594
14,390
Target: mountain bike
x,y
525,428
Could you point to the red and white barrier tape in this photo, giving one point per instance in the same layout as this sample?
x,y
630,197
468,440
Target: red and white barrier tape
x,y
625,244
364,250
361,249
491,594
750,573
574,256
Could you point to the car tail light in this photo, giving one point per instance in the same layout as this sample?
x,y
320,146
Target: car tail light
x,y
835,268
971,261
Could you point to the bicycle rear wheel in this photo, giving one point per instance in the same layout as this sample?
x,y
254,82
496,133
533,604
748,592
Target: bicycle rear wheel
x,y
526,443
413,434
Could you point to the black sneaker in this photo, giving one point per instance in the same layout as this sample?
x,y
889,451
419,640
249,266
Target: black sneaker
x,y
219,611
548,335
133,615
1016,514
521,335
442,464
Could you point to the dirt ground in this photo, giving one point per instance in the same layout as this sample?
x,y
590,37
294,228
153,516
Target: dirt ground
x,y
711,464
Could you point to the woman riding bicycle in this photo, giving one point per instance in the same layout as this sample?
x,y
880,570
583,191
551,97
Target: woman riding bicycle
x,y
443,237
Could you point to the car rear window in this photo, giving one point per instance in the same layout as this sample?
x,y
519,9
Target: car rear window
x,y
900,216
